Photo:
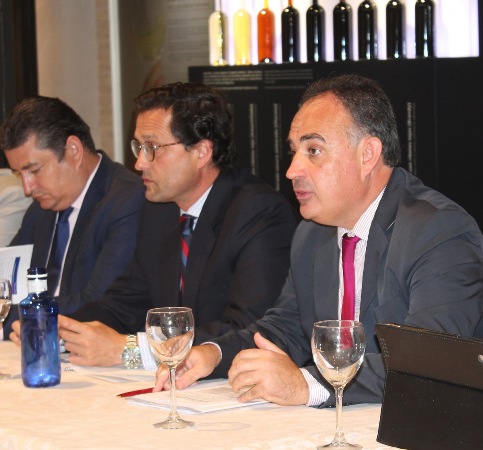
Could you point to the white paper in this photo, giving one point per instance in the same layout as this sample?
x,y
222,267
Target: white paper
x,y
201,398
14,262
115,374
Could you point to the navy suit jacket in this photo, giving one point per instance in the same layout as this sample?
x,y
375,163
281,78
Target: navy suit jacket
x,y
238,260
102,242
423,267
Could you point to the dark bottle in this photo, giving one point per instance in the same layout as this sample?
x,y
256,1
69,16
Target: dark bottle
x,y
315,25
395,29
367,30
342,18
424,10
290,34
266,34
39,335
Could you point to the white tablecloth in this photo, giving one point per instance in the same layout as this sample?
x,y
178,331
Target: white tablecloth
x,y
84,413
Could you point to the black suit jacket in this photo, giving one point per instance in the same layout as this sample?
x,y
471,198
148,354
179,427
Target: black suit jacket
x,y
423,267
238,260
102,242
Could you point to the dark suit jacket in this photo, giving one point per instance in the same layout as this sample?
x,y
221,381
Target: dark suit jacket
x,y
238,260
423,267
102,242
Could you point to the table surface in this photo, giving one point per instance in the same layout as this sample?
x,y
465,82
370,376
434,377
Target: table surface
x,y
85,412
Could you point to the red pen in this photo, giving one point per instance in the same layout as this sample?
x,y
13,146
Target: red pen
x,y
138,392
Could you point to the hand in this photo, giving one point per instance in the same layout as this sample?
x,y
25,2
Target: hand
x,y
91,343
201,361
15,334
269,373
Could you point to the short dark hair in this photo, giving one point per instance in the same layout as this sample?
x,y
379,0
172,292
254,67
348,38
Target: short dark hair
x,y
198,112
369,107
50,120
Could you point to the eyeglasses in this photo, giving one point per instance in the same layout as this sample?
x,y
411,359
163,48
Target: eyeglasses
x,y
148,148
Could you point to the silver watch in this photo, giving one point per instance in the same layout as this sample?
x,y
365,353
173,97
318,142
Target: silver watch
x,y
131,356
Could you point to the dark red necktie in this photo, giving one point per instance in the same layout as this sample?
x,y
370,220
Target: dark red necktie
x,y
186,221
348,251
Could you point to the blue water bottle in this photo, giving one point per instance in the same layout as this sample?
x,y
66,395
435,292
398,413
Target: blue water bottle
x,y
39,334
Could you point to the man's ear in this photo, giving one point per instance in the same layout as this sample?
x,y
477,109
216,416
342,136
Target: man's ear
x,y
371,153
74,150
205,152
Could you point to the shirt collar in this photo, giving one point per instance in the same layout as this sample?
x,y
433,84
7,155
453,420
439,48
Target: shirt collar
x,y
78,202
363,225
195,209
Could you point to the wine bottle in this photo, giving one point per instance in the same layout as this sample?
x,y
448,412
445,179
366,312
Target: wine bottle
x,y
290,34
266,34
315,25
342,19
367,30
242,36
217,34
424,10
395,24
39,333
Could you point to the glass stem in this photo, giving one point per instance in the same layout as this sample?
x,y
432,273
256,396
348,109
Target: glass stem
x,y
173,415
339,434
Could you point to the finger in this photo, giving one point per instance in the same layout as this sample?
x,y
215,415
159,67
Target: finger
x,y
265,344
67,323
252,393
14,337
162,376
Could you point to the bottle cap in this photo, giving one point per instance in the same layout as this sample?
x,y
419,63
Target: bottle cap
x,y
36,272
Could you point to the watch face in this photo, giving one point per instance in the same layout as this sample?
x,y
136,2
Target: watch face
x,y
131,358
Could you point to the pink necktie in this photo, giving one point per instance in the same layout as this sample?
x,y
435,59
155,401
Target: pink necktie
x,y
348,251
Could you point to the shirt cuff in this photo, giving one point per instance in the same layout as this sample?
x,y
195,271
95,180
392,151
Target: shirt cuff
x,y
317,393
149,361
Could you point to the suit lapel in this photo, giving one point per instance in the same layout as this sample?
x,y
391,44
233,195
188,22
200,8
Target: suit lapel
x,y
40,252
380,237
205,236
326,276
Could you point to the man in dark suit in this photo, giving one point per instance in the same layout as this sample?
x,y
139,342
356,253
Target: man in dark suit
x,y
239,251
51,149
418,261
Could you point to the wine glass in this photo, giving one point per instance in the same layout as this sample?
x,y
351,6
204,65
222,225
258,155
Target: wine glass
x,y
338,349
170,333
5,303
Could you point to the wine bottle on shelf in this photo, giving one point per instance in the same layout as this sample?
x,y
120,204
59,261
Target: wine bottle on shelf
x,y
217,34
342,22
315,26
266,34
290,34
367,30
424,16
39,333
395,24
242,36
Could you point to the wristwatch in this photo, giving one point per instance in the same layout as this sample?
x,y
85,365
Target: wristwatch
x,y
131,356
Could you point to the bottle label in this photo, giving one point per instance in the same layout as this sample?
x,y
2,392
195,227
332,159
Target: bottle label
x,y
37,285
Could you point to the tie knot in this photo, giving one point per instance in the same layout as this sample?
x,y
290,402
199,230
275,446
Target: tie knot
x,y
186,222
349,247
64,215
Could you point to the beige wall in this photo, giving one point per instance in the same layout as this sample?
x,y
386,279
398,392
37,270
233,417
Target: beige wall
x,y
74,61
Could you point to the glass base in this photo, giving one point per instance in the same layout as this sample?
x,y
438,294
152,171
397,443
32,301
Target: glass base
x,y
335,444
174,424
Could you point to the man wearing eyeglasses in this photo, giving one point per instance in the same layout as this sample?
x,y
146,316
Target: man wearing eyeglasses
x,y
76,188
237,257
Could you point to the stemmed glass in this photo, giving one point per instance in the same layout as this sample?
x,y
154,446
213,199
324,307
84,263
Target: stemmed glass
x,y
170,333
5,303
338,349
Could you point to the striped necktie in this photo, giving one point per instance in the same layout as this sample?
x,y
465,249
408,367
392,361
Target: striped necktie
x,y
186,222
59,243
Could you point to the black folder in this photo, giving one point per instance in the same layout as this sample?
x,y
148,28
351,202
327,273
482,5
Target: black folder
x,y
433,395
